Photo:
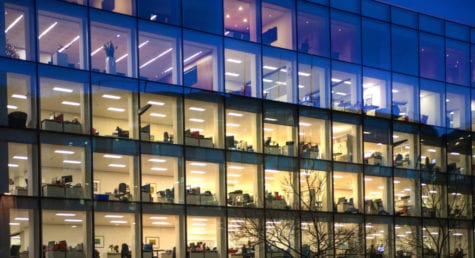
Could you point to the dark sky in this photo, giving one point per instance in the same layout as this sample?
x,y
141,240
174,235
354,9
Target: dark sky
x,y
456,10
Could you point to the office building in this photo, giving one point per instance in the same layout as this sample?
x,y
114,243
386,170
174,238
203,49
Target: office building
x,y
185,128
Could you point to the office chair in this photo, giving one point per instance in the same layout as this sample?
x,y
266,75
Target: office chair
x,y
17,119
122,192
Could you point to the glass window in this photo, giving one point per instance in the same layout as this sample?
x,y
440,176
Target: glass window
x,y
460,239
346,141
281,184
241,69
377,143
280,131
345,37
161,119
118,232
431,24
315,187
283,224
433,194
67,230
242,184
432,103
458,152
405,98
376,42
244,236
17,31
277,23
114,177
113,109
20,168
158,53
243,125
63,106
316,227
165,11
204,15
313,29
405,57
61,38
278,75
203,236
202,64
459,200
161,179
19,95
347,192
406,194
351,6
457,31
346,87
203,183
472,109
122,6
405,146
375,10
313,81
433,231
203,123
432,58
407,234
404,17
349,236
112,44
160,234
457,104
457,62
472,57
378,199
378,239
432,148
21,221
376,94
240,19
63,171
314,134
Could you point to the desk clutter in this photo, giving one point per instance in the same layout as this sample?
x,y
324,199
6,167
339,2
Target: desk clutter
x,y
272,147
194,196
115,253
57,123
201,250
196,139
241,145
61,249
346,206
240,199
63,188
122,193
276,201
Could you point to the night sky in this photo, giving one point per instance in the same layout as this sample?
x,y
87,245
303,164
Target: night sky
x,y
462,11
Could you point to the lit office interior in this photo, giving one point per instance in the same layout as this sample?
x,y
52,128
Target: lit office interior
x,y
159,126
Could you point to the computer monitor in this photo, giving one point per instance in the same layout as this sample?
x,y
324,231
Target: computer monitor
x,y
67,179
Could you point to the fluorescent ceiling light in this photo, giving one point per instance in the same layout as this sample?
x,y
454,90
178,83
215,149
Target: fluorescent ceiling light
x,y
283,70
96,51
112,156
199,219
114,109
47,30
270,119
268,129
73,220
197,120
69,44
70,103
14,23
232,125
168,70
281,83
112,165
232,74
198,164
62,89
197,109
268,67
198,172
118,222
19,96
158,169
110,96
14,224
235,114
236,61
67,161
20,157
155,103
12,165
143,43
61,214
192,56
158,115
113,216
63,152
340,93
267,80
301,86
304,74
121,58
160,223
157,160
236,167
153,17
158,218
271,170
234,175
12,107
22,219
155,58
305,124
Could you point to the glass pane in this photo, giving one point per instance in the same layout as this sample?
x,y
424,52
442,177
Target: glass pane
x,y
17,32
405,146
206,15
313,29
346,87
158,54
378,240
19,101
458,152
376,42
160,234
315,188
405,98
243,130
280,189
432,59
122,6
376,139
278,75
165,11
277,24
406,236
457,107
406,196
116,232
161,179
432,149
242,185
347,192
378,199
203,124
433,194
61,38
240,19
457,62
279,131
405,57
21,231
314,137
20,168
376,95
346,142
345,37
203,236
203,183
432,102
241,69
313,81
349,238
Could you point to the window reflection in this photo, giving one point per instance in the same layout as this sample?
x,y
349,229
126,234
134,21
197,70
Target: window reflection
x,y
280,189
313,29
345,37
433,196
457,59
122,6
457,103
376,143
406,236
432,61
405,151
377,239
432,149
164,11
314,188
16,32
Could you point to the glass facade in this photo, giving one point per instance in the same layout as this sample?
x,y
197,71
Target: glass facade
x,y
135,128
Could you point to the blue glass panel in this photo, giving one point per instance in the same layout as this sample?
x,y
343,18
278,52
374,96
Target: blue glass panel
x,y
375,10
431,24
405,55
345,37
347,5
432,59
472,57
376,44
404,17
457,31
313,29
166,11
205,15
457,62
